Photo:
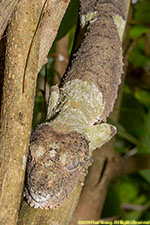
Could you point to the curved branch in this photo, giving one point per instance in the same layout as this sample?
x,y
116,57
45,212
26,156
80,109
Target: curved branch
x,y
93,196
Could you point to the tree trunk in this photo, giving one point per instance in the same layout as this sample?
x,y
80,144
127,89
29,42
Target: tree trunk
x,y
22,64
17,107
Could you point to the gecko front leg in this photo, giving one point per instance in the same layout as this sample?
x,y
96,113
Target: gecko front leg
x,y
52,101
99,134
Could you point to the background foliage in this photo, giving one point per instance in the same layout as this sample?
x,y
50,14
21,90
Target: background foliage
x,y
129,196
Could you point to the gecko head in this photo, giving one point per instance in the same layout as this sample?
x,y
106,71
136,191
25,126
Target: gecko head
x,y
56,160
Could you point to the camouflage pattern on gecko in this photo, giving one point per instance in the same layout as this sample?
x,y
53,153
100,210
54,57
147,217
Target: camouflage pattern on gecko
x,y
61,148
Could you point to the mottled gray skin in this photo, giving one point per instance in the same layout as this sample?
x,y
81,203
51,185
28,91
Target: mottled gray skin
x,y
99,58
61,149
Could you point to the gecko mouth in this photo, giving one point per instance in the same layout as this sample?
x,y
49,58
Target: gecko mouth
x,y
41,200
48,198
36,200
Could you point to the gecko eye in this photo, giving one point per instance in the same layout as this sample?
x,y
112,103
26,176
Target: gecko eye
x,y
73,164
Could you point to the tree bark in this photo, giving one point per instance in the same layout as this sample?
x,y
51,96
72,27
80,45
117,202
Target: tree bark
x,y
17,107
24,46
2,65
6,9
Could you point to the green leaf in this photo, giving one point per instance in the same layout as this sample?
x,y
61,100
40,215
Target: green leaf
x,y
146,216
132,115
145,174
142,12
134,215
140,200
69,20
124,134
136,31
112,205
137,59
127,190
71,39
145,137
39,109
143,97
122,146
